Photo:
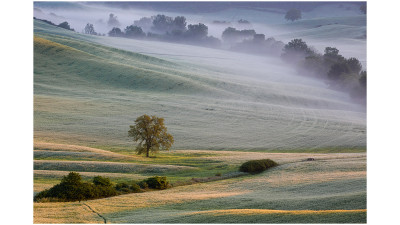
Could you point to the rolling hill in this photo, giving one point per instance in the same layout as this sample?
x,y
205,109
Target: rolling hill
x,y
89,89
223,109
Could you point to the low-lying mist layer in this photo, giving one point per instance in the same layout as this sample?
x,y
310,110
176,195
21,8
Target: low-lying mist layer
x,y
88,93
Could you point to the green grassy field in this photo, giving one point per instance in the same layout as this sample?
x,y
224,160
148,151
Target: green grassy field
x,y
87,93
331,189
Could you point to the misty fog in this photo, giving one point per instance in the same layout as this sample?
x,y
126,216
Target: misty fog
x,y
257,85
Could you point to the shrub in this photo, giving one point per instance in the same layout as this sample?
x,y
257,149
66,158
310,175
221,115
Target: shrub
x,y
122,187
72,188
126,188
257,166
157,182
135,188
65,25
143,185
102,181
72,179
104,191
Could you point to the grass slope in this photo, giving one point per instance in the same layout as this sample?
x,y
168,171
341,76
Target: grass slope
x,y
91,71
331,189
88,94
88,89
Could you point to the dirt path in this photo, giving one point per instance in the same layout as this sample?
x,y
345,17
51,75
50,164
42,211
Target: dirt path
x,y
91,209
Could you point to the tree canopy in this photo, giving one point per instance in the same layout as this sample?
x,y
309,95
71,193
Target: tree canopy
x,y
134,32
293,14
113,21
115,32
89,29
151,134
231,34
197,31
65,25
296,50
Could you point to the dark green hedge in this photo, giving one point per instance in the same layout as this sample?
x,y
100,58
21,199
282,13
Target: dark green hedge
x,y
72,188
257,166
157,182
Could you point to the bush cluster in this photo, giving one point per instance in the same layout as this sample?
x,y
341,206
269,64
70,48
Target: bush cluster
x,y
257,166
339,72
72,188
125,188
157,182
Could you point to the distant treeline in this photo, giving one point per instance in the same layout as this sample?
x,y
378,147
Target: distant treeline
x,y
340,73
165,28
64,25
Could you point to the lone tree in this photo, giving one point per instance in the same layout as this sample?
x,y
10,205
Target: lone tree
x,y
115,32
151,134
293,14
134,32
113,21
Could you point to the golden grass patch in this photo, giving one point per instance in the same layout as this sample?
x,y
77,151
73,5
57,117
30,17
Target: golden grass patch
x,y
56,173
70,212
109,167
37,187
76,148
158,198
60,212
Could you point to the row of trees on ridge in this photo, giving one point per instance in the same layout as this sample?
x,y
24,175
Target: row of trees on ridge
x,y
165,28
339,72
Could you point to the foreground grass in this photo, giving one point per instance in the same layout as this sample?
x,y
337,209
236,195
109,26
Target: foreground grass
x,y
331,189
276,216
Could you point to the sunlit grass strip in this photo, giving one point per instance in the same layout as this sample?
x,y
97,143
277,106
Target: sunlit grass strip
x,y
106,167
60,174
75,148
272,211
71,212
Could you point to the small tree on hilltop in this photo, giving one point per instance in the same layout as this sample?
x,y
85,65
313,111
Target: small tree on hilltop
x,y
296,50
89,29
197,31
293,14
354,65
151,134
134,32
113,21
115,32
